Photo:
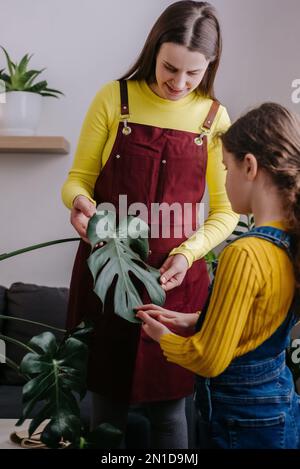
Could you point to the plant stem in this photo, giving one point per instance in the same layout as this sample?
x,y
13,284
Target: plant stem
x,y
35,246
33,322
9,362
14,366
17,342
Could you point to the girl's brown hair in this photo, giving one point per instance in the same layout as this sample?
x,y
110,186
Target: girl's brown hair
x,y
187,23
272,134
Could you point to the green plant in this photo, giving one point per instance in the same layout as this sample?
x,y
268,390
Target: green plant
x,y
55,374
122,260
246,223
211,260
55,370
19,78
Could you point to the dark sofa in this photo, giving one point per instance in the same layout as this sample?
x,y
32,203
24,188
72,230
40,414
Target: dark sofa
x,y
48,305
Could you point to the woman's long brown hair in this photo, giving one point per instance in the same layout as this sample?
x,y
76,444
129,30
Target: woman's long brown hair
x,y
188,23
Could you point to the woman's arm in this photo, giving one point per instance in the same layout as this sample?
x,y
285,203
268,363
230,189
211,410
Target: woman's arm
x,y
221,220
179,323
88,160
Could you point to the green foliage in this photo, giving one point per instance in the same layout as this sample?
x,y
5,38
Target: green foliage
x,y
56,380
122,256
246,223
210,259
57,373
103,437
19,78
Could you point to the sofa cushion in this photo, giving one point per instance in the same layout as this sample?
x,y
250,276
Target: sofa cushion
x,y
37,303
2,305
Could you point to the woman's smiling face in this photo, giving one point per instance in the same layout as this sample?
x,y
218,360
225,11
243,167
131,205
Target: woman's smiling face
x,y
178,71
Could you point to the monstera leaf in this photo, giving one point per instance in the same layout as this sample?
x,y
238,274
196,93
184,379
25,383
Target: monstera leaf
x,y
57,374
119,260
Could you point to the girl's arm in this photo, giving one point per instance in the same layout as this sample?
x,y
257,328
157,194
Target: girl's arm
x,y
210,351
179,323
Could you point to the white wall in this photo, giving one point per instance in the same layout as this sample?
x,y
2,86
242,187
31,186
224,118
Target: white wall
x,y
261,52
85,44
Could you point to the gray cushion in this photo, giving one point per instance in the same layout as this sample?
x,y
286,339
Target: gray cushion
x,y
37,303
2,305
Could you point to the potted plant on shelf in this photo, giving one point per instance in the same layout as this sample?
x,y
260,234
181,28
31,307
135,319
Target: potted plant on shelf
x,y
20,109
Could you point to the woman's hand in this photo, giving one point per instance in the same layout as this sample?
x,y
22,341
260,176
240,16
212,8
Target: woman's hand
x,y
180,323
173,271
83,209
153,328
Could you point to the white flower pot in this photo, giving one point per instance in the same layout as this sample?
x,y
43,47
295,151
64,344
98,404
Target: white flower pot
x,y
20,113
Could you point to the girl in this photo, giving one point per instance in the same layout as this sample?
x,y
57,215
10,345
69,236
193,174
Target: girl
x,y
149,137
245,392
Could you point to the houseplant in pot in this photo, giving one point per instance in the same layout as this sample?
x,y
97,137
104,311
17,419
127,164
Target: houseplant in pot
x,y
20,110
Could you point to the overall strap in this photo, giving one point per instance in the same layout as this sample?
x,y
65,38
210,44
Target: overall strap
x,y
124,111
269,233
274,235
208,122
124,99
211,116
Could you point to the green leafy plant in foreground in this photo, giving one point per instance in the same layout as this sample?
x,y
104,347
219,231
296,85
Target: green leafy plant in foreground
x,y
55,371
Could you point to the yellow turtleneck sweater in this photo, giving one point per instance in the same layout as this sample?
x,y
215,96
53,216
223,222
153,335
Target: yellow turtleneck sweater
x,y
98,134
253,290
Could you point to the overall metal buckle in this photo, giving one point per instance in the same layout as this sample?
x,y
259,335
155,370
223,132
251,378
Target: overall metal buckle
x,y
199,140
126,129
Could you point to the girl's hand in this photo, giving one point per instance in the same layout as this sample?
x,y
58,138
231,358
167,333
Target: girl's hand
x,y
180,323
83,209
173,271
153,328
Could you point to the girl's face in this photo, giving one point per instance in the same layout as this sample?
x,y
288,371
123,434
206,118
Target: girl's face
x,y
178,71
239,181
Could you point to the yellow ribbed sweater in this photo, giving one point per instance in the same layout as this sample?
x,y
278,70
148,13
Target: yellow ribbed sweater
x,y
98,134
253,291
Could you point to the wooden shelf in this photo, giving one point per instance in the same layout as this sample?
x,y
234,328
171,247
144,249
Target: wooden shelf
x,y
34,144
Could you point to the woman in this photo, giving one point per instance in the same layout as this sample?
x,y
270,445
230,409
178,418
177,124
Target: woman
x,y
150,137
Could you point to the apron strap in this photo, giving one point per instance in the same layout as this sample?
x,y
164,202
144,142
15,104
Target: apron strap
x,y
206,126
211,115
125,106
124,99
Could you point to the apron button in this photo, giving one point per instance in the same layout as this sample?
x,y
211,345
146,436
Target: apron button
x,y
118,156
150,252
164,161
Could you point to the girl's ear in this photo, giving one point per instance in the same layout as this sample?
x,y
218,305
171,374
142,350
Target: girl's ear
x,y
251,166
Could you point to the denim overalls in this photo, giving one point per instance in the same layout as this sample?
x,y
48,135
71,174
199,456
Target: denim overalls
x,y
253,403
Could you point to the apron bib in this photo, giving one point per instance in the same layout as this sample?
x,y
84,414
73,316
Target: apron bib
x,y
149,165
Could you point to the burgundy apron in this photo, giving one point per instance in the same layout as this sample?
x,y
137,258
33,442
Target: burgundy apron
x,y
149,165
